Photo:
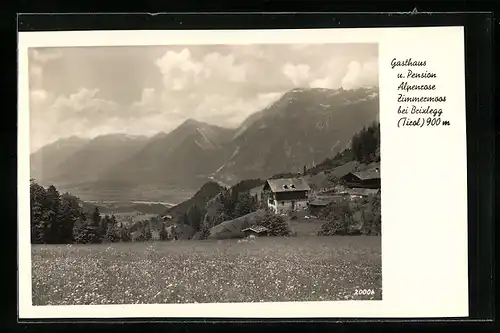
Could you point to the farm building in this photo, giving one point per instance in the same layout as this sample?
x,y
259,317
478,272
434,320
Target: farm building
x,y
320,202
286,195
255,231
365,179
356,193
317,205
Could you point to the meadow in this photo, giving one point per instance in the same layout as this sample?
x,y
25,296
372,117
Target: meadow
x,y
263,270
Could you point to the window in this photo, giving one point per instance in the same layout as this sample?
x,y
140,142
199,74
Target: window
x,y
282,203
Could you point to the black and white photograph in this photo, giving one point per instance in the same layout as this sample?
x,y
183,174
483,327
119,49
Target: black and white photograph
x,y
219,173
242,174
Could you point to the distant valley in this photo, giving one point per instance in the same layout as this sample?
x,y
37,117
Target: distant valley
x,y
300,130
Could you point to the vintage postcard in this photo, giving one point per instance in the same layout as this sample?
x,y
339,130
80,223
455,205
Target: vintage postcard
x,y
281,173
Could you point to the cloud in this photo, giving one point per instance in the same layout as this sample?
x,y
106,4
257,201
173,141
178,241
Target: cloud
x,y
148,103
35,73
181,71
330,74
231,111
143,90
77,114
361,74
178,69
217,65
298,74
46,55
85,104
37,59
178,60
38,95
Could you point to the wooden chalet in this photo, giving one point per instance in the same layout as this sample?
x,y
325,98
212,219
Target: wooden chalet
x,y
364,179
285,195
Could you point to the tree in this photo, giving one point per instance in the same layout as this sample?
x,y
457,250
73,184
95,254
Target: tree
x,y
38,222
91,232
163,232
185,219
111,234
194,218
376,223
275,224
103,227
124,233
365,144
84,232
52,207
219,218
147,233
245,204
339,216
205,231
96,218
79,229
69,213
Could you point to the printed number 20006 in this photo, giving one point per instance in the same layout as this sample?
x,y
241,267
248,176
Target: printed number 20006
x,y
364,292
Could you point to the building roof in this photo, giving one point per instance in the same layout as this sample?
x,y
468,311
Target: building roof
x,y
325,200
343,170
362,191
365,175
319,202
258,229
288,185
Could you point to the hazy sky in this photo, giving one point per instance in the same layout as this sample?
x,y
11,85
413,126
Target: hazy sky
x,y
92,91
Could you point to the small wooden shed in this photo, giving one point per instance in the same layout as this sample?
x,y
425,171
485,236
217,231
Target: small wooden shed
x,y
255,231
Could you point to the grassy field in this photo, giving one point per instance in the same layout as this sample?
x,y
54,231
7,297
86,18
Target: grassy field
x,y
267,269
305,227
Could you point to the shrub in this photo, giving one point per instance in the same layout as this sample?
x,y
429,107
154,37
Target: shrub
x,y
350,218
275,224
163,233
205,232
340,218
376,224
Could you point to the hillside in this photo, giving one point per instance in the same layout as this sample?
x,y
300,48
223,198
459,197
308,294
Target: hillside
x,y
43,162
207,192
214,205
233,228
303,128
190,151
99,154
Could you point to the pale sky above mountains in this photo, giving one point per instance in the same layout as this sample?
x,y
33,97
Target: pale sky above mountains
x,y
144,90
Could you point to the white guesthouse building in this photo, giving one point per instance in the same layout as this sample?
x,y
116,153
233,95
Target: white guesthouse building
x,y
285,195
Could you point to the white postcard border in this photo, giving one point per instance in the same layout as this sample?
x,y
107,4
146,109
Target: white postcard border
x,y
424,180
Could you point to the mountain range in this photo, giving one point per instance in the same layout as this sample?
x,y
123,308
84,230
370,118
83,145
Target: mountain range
x,y
302,128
